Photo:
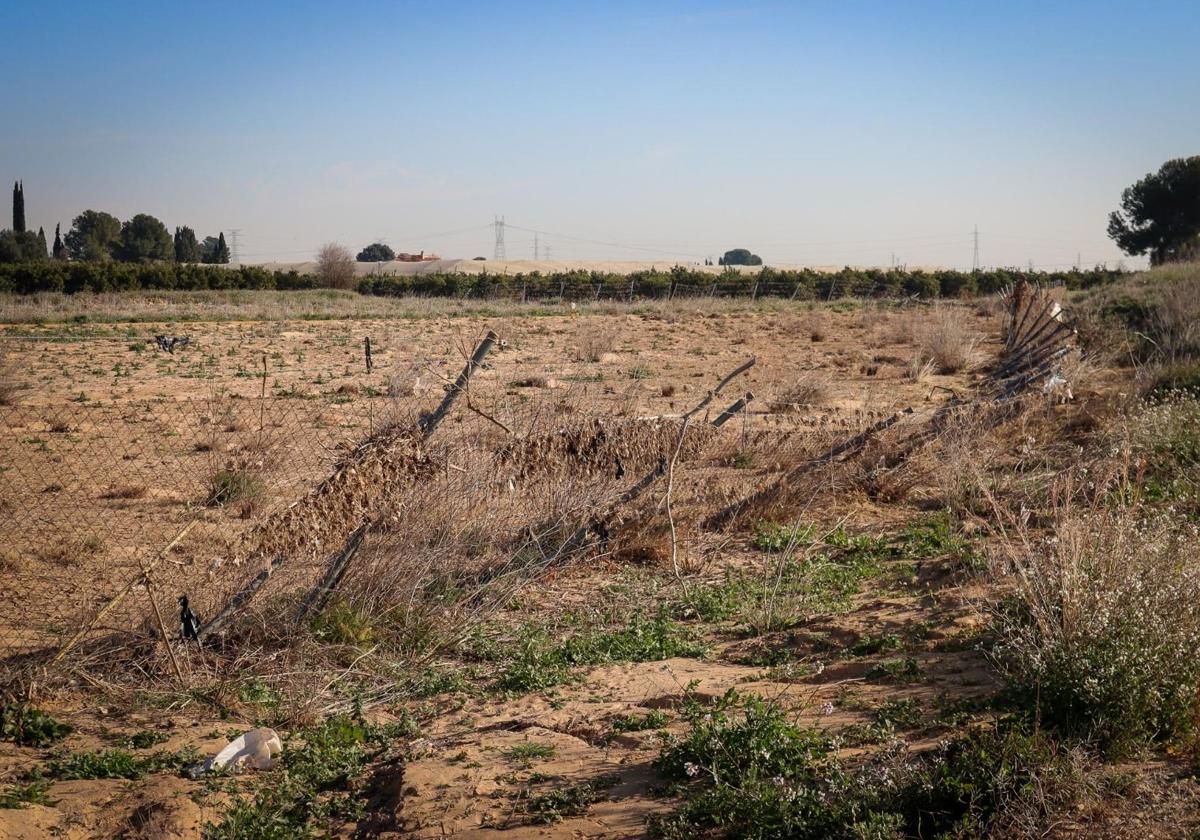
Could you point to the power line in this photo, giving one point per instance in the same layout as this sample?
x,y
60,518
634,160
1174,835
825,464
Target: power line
x,y
975,257
235,250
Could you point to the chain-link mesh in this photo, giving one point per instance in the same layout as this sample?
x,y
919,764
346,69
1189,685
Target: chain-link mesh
x,y
92,494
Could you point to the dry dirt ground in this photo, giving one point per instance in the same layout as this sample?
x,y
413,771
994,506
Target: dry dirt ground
x,y
129,436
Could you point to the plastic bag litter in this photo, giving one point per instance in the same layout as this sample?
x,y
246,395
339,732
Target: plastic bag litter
x,y
258,748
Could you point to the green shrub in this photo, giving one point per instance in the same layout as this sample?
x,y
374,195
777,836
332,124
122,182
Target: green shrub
x,y
30,727
35,792
235,485
773,537
746,770
539,664
1101,632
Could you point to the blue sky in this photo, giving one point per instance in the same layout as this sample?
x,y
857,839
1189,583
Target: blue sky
x,y
818,133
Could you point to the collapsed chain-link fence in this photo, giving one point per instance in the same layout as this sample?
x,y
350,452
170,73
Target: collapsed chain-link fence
x,y
112,509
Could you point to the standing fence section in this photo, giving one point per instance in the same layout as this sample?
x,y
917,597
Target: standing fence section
x,y
103,504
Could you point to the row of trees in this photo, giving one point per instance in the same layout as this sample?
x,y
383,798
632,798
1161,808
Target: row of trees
x,y
71,277
113,276
96,236
803,284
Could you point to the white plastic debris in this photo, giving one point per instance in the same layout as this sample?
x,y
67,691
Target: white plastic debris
x,y
258,748
1058,387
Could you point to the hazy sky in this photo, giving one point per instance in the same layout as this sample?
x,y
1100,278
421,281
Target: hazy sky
x,y
822,132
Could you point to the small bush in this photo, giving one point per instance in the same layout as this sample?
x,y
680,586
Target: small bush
x,y
1101,634
235,485
945,341
593,344
342,623
808,389
30,727
746,770
570,801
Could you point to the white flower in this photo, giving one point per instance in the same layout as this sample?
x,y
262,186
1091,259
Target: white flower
x,y
826,708
690,768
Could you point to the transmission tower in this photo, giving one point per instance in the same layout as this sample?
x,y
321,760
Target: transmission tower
x,y
975,257
235,252
499,253
535,246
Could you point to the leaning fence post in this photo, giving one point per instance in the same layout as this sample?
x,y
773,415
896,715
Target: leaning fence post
x,y
725,416
429,423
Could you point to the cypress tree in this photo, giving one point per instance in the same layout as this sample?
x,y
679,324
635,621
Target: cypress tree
x,y
42,240
18,207
222,249
60,249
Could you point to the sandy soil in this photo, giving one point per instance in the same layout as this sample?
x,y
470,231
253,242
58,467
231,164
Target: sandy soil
x,y
101,412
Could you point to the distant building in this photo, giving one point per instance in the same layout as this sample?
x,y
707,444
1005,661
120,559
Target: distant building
x,y
421,257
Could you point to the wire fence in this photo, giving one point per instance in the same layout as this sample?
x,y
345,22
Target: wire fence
x,y
112,509
92,495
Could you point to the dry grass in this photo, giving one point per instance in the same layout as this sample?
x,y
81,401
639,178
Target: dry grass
x,y
594,343
1175,320
945,340
1106,624
808,389
918,368
817,326
126,491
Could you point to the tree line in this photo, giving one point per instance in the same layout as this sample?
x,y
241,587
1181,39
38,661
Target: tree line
x,y
96,236
681,281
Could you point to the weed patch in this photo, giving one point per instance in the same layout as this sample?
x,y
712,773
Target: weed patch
x,y
313,784
746,770
35,792
540,664
30,727
1100,636
569,801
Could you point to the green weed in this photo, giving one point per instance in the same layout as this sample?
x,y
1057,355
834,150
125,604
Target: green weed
x,y
35,792
773,537
746,770
313,785
527,751
118,764
570,801
539,664
30,727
